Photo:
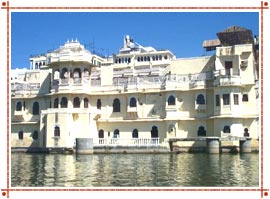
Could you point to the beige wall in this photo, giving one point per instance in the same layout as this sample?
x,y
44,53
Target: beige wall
x,y
72,125
180,120
126,128
28,130
192,65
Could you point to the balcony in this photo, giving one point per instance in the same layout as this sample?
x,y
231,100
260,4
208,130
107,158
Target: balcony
x,y
171,111
227,81
225,51
18,116
132,142
124,72
188,81
201,108
132,113
68,56
229,77
24,116
125,83
70,84
25,89
198,84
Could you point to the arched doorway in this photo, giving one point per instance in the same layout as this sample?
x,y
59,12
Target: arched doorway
x,y
101,133
116,133
101,136
135,133
154,132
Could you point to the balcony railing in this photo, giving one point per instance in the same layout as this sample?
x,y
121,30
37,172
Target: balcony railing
x,y
68,56
71,83
227,77
25,89
125,83
139,142
225,51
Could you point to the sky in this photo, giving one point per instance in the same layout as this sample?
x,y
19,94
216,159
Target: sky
x,y
182,33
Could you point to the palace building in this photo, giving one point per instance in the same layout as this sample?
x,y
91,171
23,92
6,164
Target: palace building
x,y
139,97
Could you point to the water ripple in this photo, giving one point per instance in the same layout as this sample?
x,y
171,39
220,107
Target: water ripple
x,y
135,170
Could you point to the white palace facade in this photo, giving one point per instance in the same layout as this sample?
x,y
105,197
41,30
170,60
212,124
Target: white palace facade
x,y
138,97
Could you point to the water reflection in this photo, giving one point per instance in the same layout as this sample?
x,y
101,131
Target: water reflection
x,y
135,170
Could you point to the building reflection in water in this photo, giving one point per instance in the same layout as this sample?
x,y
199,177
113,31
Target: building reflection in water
x,y
135,170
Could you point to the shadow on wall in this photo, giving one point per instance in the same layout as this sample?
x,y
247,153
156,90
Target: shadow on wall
x,y
45,86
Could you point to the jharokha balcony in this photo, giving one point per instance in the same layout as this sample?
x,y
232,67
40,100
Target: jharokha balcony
x,y
70,84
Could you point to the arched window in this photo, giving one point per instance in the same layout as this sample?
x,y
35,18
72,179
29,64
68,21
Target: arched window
x,y
226,129
116,133
56,75
77,76
200,99
64,102
201,131
101,133
116,105
99,104
35,135
76,102
85,102
135,133
20,135
246,133
154,132
133,102
77,73
35,108
86,72
19,106
171,100
56,131
55,103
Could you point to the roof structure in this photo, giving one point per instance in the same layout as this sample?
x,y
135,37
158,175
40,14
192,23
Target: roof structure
x,y
211,44
235,35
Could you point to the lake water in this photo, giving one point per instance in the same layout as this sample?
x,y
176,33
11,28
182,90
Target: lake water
x,y
135,170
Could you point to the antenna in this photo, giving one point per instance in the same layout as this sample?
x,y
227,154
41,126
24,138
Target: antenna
x,y
98,51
